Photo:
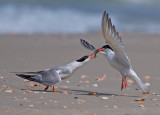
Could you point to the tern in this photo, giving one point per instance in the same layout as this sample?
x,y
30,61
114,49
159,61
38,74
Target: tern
x,y
50,77
114,52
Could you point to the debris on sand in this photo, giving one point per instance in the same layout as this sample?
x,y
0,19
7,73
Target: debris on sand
x,y
65,107
101,78
147,84
95,85
145,92
129,81
86,81
79,101
115,107
147,77
31,105
92,93
83,76
64,87
140,99
9,90
105,98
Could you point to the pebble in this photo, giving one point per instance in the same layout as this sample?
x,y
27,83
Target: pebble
x,y
86,82
95,85
31,105
147,84
115,107
9,90
105,98
65,107
83,76
68,81
147,77
92,93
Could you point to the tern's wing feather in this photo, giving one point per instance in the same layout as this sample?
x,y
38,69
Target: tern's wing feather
x,y
34,73
87,45
112,38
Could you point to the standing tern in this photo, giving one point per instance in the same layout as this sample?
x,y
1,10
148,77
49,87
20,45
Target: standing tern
x,y
50,77
114,51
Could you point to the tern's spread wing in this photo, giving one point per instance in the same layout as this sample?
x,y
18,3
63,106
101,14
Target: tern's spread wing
x,y
87,45
112,38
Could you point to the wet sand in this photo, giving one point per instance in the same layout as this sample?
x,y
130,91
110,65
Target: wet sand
x,y
91,94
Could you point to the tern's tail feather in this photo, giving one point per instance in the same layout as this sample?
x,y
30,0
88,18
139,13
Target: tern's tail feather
x,y
28,77
139,83
87,45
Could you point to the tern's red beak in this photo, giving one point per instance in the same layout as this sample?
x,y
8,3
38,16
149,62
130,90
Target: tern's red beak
x,y
100,49
91,56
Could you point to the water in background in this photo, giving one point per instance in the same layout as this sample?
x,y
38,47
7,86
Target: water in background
x,y
73,16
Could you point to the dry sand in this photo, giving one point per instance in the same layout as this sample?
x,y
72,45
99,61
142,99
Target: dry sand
x,y
42,51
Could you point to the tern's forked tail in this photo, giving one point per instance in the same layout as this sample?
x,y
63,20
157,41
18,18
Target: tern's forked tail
x,y
28,77
137,80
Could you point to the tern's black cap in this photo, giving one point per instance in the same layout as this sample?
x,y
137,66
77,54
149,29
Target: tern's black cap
x,y
107,46
82,58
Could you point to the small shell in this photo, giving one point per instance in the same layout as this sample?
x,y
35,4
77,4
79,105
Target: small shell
x,y
141,103
147,84
9,90
31,105
36,92
130,81
68,81
86,82
83,76
64,92
65,107
95,85
91,93
147,77
44,103
105,98
65,87
141,106
104,76
115,107
98,79
140,100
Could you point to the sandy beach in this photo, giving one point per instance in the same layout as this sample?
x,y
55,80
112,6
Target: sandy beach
x,y
94,89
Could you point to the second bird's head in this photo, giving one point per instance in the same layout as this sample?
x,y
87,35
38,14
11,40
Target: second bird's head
x,y
105,47
83,59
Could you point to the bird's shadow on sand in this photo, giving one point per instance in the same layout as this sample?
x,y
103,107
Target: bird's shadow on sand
x,y
85,92
81,92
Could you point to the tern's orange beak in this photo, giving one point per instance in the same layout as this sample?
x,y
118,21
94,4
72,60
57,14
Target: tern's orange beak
x,y
100,49
92,56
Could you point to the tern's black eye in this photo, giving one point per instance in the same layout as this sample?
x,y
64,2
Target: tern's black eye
x,y
82,59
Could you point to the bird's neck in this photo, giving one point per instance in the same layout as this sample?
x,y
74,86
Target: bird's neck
x,y
109,52
75,65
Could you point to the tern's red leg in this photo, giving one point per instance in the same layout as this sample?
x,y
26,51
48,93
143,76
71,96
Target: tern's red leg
x,y
46,88
125,82
122,83
53,89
